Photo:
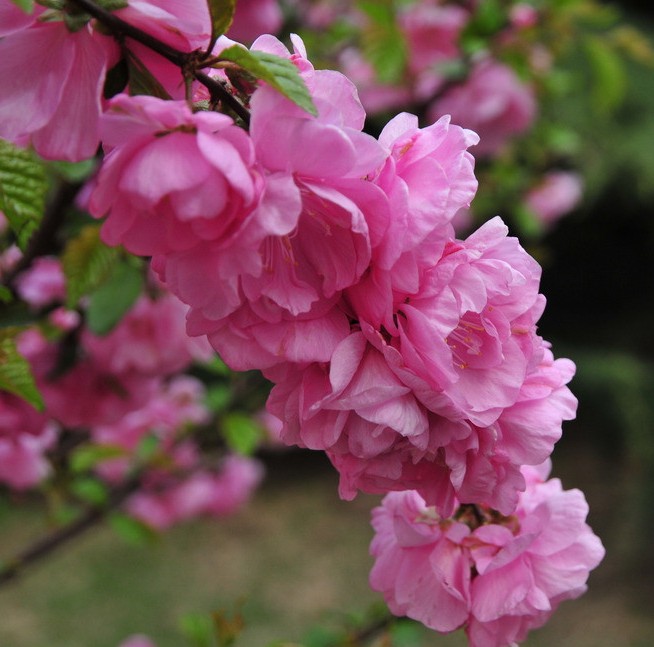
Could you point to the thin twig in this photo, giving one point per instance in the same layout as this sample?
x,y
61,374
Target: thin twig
x,y
46,545
186,61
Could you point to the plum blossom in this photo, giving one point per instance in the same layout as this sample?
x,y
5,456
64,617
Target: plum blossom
x,y
497,576
25,437
557,194
43,283
493,102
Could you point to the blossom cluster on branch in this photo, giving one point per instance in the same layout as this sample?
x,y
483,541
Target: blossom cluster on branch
x,y
325,257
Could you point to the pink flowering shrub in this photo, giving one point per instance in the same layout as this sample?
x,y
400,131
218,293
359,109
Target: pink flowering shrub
x,y
496,576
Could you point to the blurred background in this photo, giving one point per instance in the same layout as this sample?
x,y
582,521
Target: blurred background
x,y
297,556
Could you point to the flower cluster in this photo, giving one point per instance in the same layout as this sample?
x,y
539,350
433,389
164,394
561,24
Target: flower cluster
x,y
497,576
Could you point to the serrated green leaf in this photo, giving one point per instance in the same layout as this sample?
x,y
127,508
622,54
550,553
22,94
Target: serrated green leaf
x,y
23,187
26,5
242,434
87,262
132,530
141,80
609,77
16,374
278,72
113,297
86,457
218,398
222,16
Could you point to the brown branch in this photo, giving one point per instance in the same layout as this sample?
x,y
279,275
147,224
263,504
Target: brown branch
x,y
186,61
43,547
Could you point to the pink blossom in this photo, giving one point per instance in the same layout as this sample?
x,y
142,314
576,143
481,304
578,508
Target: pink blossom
x,y
557,194
137,640
150,339
43,283
204,493
25,437
432,33
496,576
62,90
493,102
255,17
83,395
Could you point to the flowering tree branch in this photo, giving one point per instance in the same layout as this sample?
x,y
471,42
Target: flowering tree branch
x,y
188,62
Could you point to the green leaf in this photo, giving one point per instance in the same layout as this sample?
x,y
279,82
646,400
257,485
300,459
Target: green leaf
x,y
6,295
141,80
86,457
90,490
16,373
131,530
242,434
197,629
147,448
112,5
384,44
73,171
609,77
87,262
114,297
222,16
26,5
278,72
23,187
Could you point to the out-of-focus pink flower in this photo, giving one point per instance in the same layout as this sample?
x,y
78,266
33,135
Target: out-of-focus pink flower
x,y
493,102
43,283
25,436
137,640
150,339
204,493
558,193
83,395
497,576
523,15
253,18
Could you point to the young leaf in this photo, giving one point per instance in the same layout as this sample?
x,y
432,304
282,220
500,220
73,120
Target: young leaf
x,y
16,373
26,5
241,433
142,81
87,262
609,78
278,72
222,16
23,187
114,297
86,457
131,530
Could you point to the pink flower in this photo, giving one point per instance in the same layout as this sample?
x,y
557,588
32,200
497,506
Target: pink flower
x,y
43,283
255,17
25,436
496,576
62,90
558,193
83,395
493,102
137,640
150,339
203,493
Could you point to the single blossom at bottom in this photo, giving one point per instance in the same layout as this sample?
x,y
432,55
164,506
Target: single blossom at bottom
x,y
496,576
